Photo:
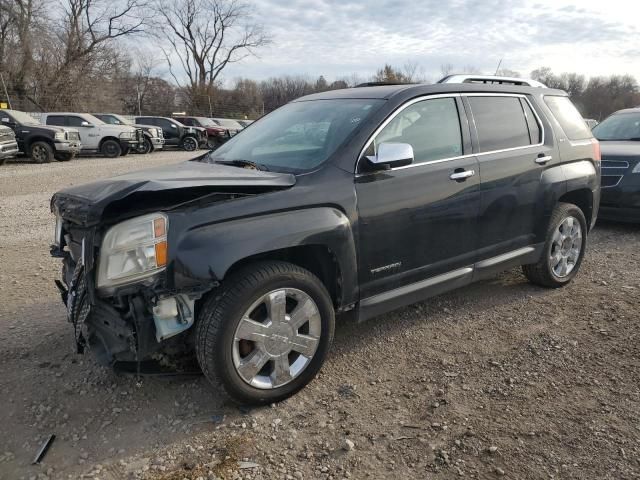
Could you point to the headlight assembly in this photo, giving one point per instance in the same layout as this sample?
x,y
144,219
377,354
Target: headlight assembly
x,y
133,250
636,169
59,136
126,135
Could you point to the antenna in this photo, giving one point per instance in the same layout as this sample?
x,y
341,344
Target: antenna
x,y
498,68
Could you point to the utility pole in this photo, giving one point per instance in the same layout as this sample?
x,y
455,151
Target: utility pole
x,y
139,101
498,69
4,85
210,109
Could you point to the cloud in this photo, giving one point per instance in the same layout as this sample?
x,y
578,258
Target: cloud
x,y
339,37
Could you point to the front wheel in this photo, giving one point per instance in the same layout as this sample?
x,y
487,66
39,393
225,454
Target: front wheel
x,y
266,333
564,248
111,149
64,156
125,151
41,152
146,147
190,144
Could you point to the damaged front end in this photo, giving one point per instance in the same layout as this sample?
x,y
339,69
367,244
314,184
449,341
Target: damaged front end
x,y
115,242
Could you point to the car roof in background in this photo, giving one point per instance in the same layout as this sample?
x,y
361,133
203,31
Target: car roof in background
x,y
388,91
627,110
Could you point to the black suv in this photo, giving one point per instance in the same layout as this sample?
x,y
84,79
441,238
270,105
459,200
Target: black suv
x,y
177,134
619,135
41,143
361,200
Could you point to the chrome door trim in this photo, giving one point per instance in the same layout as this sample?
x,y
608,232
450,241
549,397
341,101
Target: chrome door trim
x,y
490,262
459,157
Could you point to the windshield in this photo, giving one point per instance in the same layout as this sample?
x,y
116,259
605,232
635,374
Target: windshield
x,y
299,136
228,123
621,126
23,118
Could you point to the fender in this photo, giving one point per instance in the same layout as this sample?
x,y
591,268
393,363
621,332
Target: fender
x,y
205,253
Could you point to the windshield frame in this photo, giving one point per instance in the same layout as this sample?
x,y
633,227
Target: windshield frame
x,y
368,105
595,129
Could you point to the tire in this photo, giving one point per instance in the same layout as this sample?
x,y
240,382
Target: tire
x,y
147,147
64,156
111,148
221,355
41,152
125,151
561,244
189,144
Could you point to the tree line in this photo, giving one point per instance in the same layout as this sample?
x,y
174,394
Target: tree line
x,y
76,55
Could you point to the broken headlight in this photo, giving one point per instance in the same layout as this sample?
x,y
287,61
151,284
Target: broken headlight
x,y
133,250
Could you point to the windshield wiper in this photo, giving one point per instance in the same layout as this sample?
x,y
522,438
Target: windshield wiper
x,y
243,164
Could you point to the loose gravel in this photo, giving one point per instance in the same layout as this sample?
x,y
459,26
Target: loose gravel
x,y
498,380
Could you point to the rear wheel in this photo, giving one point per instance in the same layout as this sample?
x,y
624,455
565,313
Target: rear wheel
x,y
563,250
41,152
111,149
125,151
190,144
266,334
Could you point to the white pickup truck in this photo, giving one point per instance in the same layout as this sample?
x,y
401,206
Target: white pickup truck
x,y
97,136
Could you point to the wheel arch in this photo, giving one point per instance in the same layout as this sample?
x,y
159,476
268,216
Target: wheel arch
x,y
581,198
104,139
39,138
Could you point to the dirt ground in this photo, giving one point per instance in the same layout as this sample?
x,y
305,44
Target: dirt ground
x,y
500,379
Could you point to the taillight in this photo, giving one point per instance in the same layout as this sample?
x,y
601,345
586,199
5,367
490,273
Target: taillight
x,y
596,150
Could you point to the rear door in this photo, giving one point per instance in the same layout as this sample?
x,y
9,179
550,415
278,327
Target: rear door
x,y
417,222
509,140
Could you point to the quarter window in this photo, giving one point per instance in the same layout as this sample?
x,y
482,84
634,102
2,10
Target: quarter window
x,y
500,123
569,118
431,127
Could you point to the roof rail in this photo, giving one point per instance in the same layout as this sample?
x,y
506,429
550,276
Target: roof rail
x,y
381,84
491,80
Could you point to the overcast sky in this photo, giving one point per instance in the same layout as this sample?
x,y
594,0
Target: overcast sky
x,y
336,38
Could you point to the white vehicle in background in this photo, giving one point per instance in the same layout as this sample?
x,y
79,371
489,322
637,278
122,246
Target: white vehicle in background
x,y
97,136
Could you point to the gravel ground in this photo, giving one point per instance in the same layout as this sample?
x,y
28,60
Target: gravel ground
x,y
500,379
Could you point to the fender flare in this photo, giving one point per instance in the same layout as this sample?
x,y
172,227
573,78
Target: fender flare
x,y
204,254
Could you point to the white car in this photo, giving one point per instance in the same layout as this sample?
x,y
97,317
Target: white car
x,y
97,136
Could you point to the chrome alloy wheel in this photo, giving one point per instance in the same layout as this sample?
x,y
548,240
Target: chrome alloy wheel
x,y
276,338
566,246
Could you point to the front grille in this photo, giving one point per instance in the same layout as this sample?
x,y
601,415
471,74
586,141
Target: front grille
x,y
612,172
139,135
7,137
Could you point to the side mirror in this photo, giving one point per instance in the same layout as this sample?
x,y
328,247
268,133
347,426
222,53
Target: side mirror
x,y
86,124
391,155
173,125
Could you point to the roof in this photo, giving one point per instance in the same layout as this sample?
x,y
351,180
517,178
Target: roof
x,y
627,110
388,91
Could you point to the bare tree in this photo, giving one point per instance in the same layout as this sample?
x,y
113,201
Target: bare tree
x,y
205,36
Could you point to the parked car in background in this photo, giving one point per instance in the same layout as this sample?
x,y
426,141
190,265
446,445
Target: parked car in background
x,y
241,256
8,144
153,137
110,140
43,144
176,134
619,135
245,123
231,126
216,135
591,122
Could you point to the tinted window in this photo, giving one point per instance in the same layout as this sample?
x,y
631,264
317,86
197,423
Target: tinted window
x,y
535,133
55,120
75,121
431,127
500,123
620,126
146,121
568,117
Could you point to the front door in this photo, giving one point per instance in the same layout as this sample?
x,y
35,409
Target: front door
x,y
89,135
170,130
417,222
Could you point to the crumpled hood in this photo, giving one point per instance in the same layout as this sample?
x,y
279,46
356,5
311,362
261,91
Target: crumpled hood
x,y
162,187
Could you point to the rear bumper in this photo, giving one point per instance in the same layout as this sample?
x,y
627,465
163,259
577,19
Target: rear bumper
x,y
8,150
620,214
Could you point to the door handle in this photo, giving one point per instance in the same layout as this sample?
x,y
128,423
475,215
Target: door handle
x,y
542,159
462,175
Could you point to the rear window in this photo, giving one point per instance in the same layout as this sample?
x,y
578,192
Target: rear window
x,y
500,122
568,117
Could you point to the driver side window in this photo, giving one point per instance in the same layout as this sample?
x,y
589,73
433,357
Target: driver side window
x,y
431,127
